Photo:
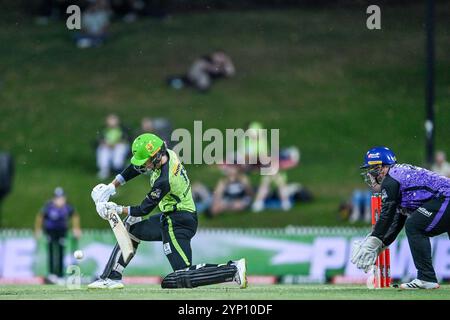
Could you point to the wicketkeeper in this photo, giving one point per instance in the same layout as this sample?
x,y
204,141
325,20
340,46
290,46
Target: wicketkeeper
x,y
174,226
412,197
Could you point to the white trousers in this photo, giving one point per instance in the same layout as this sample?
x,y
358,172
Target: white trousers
x,y
111,158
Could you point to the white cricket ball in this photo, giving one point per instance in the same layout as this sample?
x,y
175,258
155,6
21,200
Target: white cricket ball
x,y
78,254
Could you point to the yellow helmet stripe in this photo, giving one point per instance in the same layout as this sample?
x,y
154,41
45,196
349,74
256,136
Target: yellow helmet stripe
x,y
155,152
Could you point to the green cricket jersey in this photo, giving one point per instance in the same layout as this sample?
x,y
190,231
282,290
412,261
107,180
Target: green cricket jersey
x,y
170,188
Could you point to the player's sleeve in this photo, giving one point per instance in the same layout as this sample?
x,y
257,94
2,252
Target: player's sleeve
x,y
396,226
159,189
127,174
390,190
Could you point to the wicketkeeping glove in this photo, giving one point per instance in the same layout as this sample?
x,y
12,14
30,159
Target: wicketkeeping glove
x,y
365,254
356,247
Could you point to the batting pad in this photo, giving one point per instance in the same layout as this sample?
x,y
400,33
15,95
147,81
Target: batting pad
x,y
199,277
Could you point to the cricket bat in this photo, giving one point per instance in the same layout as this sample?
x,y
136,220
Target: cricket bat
x,y
122,237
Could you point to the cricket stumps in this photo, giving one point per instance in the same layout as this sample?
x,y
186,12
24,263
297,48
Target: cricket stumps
x,y
382,269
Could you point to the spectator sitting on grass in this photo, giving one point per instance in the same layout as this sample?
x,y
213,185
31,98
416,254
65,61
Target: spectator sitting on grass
x,y
284,194
112,149
251,151
204,70
360,206
232,193
202,198
440,165
94,24
265,197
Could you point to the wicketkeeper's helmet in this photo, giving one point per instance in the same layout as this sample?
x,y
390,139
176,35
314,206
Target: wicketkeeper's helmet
x,y
379,155
374,160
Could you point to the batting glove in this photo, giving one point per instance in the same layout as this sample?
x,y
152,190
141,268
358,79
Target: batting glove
x,y
113,207
102,210
102,192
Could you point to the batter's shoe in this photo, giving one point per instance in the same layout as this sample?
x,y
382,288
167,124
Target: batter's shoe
x,y
419,284
241,273
106,284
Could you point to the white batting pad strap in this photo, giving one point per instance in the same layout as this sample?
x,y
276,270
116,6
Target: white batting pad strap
x,y
119,268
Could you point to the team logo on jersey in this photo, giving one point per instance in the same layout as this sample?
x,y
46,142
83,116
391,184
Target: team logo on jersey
x,y
155,194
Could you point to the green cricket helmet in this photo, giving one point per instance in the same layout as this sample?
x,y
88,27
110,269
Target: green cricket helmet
x,y
147,146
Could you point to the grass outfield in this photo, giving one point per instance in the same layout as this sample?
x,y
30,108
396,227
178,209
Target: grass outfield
x,y
257,292
333,88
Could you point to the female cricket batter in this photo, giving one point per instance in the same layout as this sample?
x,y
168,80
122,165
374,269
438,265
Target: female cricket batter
x,y
174,226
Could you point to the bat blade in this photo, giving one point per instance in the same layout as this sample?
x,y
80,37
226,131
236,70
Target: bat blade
x,y
122,237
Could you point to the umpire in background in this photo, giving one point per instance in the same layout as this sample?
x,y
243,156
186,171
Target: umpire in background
x,y
53,220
